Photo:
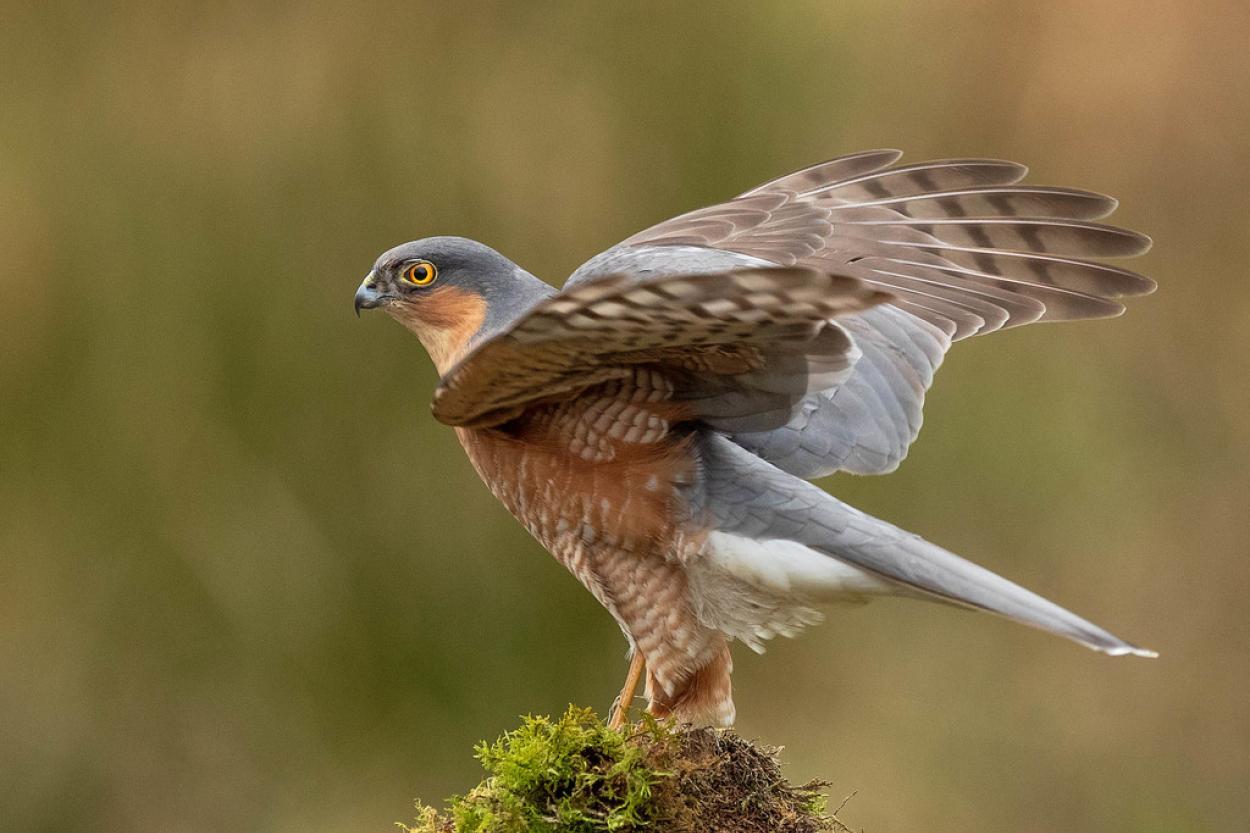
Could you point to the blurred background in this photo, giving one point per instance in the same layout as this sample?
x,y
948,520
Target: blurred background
x,y
248,584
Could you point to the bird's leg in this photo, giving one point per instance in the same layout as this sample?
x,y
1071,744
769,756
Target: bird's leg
x,y
620,710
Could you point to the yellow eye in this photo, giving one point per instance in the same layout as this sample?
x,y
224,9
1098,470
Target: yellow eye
x,y
421,273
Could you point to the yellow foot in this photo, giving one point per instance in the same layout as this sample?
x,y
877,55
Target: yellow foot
x,y
620,709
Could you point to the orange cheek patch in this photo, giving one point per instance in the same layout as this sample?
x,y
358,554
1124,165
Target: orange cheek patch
x,y
445,319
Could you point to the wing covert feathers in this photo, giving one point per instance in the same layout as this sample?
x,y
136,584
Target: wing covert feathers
x,y
730,324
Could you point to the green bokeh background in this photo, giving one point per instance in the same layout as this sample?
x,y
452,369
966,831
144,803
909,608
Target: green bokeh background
x,y
248,584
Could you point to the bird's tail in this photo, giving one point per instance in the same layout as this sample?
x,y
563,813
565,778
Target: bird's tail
x,y
918,565
750,500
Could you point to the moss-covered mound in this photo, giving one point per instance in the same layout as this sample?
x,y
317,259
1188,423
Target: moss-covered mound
x,y
576,775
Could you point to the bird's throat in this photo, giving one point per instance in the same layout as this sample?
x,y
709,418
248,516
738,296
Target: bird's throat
x,y
445,321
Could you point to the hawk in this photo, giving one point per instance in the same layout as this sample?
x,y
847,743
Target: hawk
x,y
655,422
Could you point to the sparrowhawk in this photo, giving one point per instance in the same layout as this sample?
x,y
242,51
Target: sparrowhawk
x,y
654,423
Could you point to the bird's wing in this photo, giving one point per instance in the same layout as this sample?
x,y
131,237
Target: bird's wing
x,y
739,348
960,245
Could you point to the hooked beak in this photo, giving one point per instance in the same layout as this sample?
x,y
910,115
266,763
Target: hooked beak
x,y
368,296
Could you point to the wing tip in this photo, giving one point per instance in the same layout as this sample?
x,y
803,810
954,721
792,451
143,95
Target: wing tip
x,y
1147,286
1112,202
1136,243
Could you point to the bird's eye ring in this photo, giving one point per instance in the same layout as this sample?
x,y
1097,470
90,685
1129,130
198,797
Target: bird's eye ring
x,y
421,273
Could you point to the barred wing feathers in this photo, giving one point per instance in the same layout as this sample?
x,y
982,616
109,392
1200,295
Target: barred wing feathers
x,y
743,345
962,247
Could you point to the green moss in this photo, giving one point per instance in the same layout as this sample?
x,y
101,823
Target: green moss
x,y
574,775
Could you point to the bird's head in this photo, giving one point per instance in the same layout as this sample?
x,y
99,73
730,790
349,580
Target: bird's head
x,y
451,292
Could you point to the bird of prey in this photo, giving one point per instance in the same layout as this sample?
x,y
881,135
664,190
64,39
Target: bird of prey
x,y
655,422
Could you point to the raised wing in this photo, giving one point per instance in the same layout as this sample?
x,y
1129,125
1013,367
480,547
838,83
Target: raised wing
x,y
960,245
739,348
